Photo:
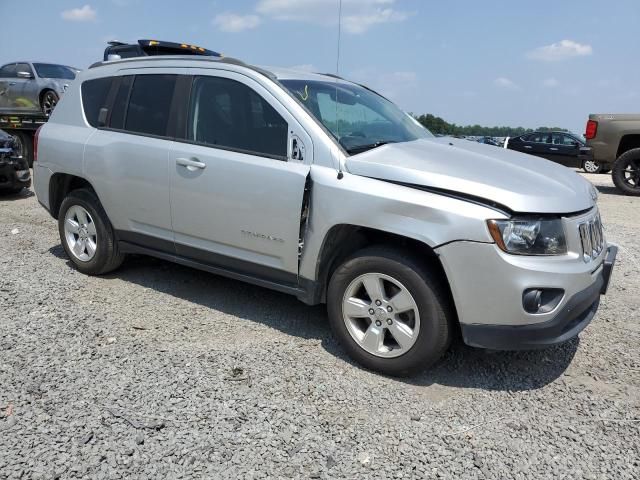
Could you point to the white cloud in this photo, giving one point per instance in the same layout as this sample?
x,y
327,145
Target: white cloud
x,y
232,22
306,67
397,86
83,14
507,83
360,23
560,51
551,82
358,16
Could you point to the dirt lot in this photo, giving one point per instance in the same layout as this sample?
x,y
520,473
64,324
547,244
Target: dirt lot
x,y
158,371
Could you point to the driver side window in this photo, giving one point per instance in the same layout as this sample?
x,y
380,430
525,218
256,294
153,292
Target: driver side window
x,y
227,114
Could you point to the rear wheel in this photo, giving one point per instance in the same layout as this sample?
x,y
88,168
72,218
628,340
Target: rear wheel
x,y
87,235
48,101
591,166
626,172
389,312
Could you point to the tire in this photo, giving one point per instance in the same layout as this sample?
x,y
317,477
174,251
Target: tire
x,y
11,191
591,166
106,257
48,101
433,322
605,170
24,141
626,172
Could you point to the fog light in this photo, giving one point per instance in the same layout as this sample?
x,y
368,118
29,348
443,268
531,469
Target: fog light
x,y
541,300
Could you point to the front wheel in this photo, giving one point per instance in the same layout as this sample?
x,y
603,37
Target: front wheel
x,y
591,166
626,172
87,235
48,102
390,313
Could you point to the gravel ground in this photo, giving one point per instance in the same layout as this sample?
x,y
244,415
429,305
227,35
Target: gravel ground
x,y
159,371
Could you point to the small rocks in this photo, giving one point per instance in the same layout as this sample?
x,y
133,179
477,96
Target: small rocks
x,y
87,438
364,458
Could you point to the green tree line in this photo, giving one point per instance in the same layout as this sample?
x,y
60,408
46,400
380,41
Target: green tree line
x,y
441,126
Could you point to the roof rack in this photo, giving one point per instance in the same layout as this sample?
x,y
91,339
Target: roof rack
x,y
118,50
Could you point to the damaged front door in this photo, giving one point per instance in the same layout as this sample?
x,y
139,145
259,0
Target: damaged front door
x,y
236,190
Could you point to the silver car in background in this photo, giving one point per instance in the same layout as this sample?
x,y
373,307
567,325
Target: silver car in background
x,y
319,187
28,87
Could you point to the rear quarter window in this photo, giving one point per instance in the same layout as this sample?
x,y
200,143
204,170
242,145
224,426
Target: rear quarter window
x,y
94,97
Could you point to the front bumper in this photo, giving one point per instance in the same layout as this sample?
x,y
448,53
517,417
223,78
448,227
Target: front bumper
x,y
14,173
568,322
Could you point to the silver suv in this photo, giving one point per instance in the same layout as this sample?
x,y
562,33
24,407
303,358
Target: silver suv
x,y
321,188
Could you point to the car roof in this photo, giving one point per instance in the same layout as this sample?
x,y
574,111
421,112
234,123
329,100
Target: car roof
x,y
283,73
277,73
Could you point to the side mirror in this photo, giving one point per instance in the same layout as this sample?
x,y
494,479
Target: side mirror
x,y
25,75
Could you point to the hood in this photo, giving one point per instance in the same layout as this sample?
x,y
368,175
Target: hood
x,y
522,183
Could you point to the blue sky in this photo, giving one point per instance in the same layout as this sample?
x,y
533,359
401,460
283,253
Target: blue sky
x,y
492,63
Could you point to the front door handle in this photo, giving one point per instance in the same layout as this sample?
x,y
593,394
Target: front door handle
x,y
191,163
553,149
12,83
528,146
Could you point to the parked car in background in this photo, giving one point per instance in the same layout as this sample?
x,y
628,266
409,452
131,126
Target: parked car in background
x,y
614,140
14,170
488,141
27,87
560,147
408,239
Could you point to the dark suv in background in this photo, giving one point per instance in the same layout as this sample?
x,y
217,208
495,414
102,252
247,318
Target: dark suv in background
x,y
560,147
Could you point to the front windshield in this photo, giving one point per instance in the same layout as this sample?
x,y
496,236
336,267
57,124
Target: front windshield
x,y
49,70
358,118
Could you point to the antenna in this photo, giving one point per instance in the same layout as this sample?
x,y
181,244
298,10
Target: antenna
x,y
340,174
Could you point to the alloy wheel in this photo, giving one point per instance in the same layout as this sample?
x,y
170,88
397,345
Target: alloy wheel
x,y
381,315
591,167
80,233
49,102
631,173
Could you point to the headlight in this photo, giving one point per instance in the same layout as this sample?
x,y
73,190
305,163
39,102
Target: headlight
x,y
529,237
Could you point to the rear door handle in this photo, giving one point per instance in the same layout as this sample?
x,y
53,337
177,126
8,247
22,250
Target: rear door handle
x,y
12,83
528,146
553,149
191,163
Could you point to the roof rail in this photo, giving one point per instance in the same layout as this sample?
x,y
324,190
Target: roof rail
x,y
193,58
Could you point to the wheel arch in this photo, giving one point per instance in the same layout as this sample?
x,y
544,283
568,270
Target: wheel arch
x,y
343,240
60,185
628,142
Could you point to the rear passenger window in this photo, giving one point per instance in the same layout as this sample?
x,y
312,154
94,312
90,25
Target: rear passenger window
x,y
149,104
229,114
119,108
94,97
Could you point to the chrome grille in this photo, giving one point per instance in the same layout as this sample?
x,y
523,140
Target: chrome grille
x,y
592,238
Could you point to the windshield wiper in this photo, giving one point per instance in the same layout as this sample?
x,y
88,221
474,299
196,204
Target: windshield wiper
x,y
364,148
